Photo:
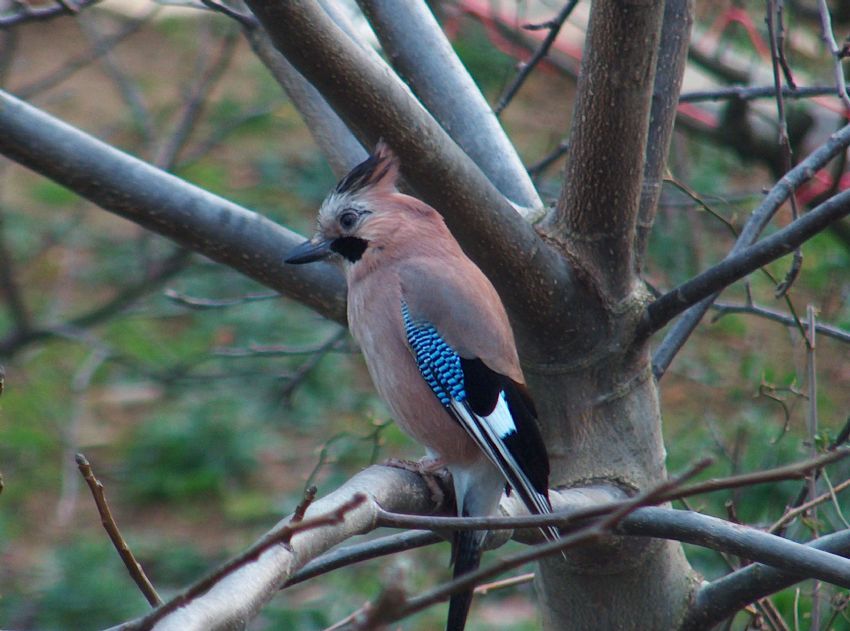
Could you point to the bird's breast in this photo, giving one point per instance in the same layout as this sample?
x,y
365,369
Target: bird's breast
x,y
375,319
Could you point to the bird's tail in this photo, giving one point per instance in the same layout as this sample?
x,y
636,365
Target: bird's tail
x,y
467,557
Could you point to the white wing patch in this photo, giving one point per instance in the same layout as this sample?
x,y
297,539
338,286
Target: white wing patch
x,y
500,418
488,439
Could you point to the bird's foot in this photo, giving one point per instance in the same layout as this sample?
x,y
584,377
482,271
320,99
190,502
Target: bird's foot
x,y
431,469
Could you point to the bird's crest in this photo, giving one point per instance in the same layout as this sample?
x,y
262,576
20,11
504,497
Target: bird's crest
x,y
378,171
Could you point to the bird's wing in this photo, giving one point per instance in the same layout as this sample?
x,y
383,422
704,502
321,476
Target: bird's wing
x,y
494,409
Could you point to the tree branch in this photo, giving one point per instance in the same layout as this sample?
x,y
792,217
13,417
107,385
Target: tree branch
x,y
237,592
742,263
681,331
374,103
375,548
339,146
827,330
749,93
423,56
721,598
27,13
554,25
596,214
744,541
673,49
127,556
167,205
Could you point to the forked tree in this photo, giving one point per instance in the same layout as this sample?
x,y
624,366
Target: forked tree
x,y
586,323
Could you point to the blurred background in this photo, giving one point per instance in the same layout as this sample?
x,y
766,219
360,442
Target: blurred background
x,y
207,404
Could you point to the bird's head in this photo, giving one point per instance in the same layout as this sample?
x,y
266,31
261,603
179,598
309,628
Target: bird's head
x,y
350,217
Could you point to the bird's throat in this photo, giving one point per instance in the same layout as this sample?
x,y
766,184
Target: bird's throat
x,y
350,248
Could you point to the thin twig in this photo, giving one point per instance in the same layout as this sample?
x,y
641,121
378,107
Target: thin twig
x,y
739,264
27,13
812,426
526,68
832,496
108,521
513,581
825,330
829,41
748,93
99,49
682,329
777,57
793,513
196,99
246,20
309,496
569,518
355,553
194,302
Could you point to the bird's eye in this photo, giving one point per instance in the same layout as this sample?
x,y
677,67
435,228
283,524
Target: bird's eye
x,y
348,219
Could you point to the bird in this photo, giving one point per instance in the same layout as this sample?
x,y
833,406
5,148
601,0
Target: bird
x,y
438,345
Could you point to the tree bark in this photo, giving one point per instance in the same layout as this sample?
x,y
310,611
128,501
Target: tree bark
x,y
598,399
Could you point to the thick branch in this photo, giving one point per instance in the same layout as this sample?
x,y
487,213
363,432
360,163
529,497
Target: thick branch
x,y
239,593
722,598
736,266
744,541
597,212
374,103
423,56
165,204
336,142
675,36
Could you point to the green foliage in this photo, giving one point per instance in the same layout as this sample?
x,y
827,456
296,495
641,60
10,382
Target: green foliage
x,y
85,587
53,194
490,67
191,454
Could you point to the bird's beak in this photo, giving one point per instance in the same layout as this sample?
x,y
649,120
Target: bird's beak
x,y
315,249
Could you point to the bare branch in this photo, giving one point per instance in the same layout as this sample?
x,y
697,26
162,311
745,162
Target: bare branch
x,y
246,20
741,263
166,205
793,513
27,13
554,25
375,103
99,49
749,543
133,566
596,214
195,100
749,93
673,48
721,598
161,272
349,555
339,146
827,330
423,56
238,590
679,333
201,304
829,41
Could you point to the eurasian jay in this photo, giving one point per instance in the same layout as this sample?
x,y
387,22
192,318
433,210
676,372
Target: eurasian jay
x,y
438,346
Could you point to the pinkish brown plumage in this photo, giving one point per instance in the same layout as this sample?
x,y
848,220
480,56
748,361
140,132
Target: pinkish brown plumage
x,y
438,345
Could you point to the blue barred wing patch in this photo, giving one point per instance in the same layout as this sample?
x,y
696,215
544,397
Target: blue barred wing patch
x,y
438,363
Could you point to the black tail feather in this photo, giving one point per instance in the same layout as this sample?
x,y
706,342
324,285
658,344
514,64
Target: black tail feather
x,y
467,557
